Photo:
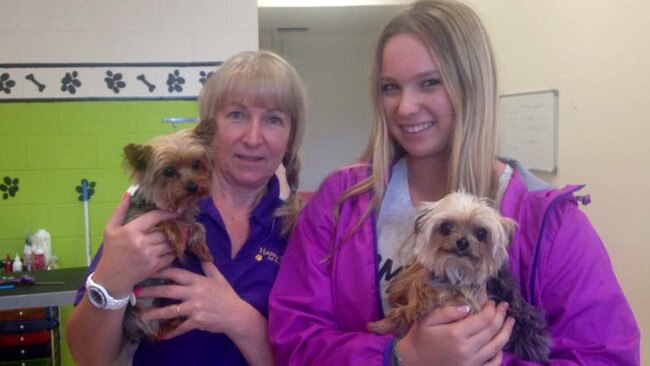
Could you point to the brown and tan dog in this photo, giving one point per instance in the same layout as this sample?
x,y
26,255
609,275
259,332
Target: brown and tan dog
x,y
171,172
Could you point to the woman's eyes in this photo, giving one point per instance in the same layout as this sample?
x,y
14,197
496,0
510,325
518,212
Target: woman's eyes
x,y
235,114
429,83
424,84
389,87
272,119
275,120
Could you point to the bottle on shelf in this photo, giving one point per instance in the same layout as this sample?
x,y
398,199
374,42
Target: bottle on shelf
x,y
17,266
8,264
38,261
27,255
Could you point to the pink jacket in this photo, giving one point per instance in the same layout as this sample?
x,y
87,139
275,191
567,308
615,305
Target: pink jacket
x,y
319,308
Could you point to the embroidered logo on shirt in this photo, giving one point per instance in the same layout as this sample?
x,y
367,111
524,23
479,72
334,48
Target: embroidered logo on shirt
x,y
270,255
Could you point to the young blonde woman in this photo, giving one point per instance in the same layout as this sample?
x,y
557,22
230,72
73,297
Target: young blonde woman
x,y
252,113
435,95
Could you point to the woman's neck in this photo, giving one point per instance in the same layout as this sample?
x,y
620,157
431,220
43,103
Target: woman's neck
x,y
235,205
228,196
427,178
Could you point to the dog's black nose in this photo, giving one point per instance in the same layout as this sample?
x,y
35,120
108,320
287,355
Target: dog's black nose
x,y
462,244
192,187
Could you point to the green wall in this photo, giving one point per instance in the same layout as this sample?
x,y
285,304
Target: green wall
x,y
50,148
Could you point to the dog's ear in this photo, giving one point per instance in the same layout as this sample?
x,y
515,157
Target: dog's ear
x,y
502,238
136,159
509,225
419,219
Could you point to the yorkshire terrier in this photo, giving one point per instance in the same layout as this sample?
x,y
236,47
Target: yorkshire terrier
x,y
171,172
460,257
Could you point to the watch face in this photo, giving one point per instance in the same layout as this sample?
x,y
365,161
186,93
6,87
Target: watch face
x,y
97,297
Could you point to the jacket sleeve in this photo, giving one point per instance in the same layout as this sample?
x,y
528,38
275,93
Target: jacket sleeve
x,y
303,324
590,321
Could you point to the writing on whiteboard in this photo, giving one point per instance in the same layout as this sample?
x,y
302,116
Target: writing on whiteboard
x,y
528,129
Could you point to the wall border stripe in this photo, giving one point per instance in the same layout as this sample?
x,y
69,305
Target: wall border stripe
x,y
50,82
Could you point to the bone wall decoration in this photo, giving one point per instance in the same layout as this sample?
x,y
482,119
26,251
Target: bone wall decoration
x,y
110,81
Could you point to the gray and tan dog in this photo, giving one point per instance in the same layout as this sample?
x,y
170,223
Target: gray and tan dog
x,y
461,257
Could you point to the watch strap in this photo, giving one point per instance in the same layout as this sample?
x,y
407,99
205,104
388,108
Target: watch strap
x,y
108,301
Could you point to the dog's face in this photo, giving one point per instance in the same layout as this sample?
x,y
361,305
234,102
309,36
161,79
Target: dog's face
x,y
462,238
172,170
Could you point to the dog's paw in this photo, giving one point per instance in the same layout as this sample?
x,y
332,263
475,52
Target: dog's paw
x,y
197,244
383,326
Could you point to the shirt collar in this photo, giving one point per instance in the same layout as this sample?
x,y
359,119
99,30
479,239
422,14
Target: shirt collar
x,y
263,213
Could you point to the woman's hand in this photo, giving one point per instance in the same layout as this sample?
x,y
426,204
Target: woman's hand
x,y
132,252
208,302
448,336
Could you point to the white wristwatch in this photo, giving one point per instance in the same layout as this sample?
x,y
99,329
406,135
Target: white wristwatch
x,y
100,298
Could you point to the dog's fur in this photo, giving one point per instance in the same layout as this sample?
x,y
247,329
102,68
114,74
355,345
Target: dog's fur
x,y
460,257
172,172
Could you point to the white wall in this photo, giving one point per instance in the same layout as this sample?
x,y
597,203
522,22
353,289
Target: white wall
x,y
596,53
36,31
334,68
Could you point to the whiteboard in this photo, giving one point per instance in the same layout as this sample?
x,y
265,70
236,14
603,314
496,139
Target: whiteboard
x,y
528,129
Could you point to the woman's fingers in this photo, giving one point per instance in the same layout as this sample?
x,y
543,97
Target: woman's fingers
x,y
445,315
165,260
152,218
156,237
491,319
120,212
157,248
496,360
206,302
493,348
488,320
172,292
178,275
210,270
165,312
183,328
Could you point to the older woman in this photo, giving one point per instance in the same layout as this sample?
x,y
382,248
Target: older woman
x,y
252,112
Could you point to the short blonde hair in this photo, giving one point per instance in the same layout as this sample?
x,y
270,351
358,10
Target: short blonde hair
x,y
260,77
455,36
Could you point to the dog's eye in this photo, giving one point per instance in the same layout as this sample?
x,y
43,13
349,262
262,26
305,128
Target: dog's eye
x,y
480,234
196,165
446,227
169,172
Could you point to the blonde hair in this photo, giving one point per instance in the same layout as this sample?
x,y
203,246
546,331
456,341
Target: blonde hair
x,y
457,39
260,77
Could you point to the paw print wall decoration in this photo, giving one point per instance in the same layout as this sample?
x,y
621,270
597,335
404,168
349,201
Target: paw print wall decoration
x,y
70,83
6,83
104,81
204,76
114,81
175,81
9,187
90,190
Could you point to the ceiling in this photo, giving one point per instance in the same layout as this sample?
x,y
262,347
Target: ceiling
x,y
351,19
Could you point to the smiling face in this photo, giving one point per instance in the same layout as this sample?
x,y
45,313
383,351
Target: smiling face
x,y
419,113
249,143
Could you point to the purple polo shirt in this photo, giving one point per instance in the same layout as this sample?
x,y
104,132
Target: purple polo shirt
x,y
251,274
